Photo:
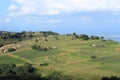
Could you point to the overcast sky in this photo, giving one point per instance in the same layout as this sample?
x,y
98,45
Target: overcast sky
x,y
101,17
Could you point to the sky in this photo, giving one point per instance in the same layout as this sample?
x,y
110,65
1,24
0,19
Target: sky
x,y
99,17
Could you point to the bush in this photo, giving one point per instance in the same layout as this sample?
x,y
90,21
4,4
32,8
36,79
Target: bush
x,y
56,75
1,44
84,36
110,78
13,72
94,37
93,57
44,64
36,47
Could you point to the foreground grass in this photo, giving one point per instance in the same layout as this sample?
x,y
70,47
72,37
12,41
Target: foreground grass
x,y
5,59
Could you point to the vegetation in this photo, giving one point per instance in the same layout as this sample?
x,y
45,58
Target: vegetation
x,y
56,75
94,37
93,57
85,36
111,78
38,47
13,72
10,60
11,49
32,54
67,57
13,37
26,72
44,64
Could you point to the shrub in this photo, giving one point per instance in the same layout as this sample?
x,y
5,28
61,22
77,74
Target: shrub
x,y
93,57
111,78
13,72
105,78
94,37
44,64
84,36
45,49
36,47
56,75
1,44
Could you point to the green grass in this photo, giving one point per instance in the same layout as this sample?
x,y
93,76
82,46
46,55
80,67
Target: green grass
x,y
110,67
112,59
9,60
31,54
73,57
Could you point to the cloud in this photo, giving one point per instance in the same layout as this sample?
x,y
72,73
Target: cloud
x,y
12,8
44,21
52,7
1,21
6,20
86,18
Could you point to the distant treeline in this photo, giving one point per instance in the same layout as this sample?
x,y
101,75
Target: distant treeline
x,y
85,36
23,34
13,37
27,35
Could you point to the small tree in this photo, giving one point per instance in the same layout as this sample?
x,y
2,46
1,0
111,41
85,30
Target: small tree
x,y
36,47
93,57
84,36
102,37
39,48
94,37
56,75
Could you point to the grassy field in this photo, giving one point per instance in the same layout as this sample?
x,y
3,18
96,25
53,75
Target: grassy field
x,y
6,59
72,57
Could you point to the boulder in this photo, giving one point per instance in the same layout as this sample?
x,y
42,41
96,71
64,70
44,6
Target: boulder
x,y
10,47
54,47
98,45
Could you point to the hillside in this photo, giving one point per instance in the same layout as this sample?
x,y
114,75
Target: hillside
x,y
82,59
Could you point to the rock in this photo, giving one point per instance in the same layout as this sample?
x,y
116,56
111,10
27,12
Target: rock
x,y
94,45
54,47
10,47
98,45
5,51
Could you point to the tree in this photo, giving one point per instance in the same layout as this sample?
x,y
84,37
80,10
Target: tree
x,y
93,57
101,37
84,36
24,72
94,37
75,35
23,34
39,48
110,78
36,47
56,75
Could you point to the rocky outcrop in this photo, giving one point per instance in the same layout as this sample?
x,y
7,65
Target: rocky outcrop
x,y
10,47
